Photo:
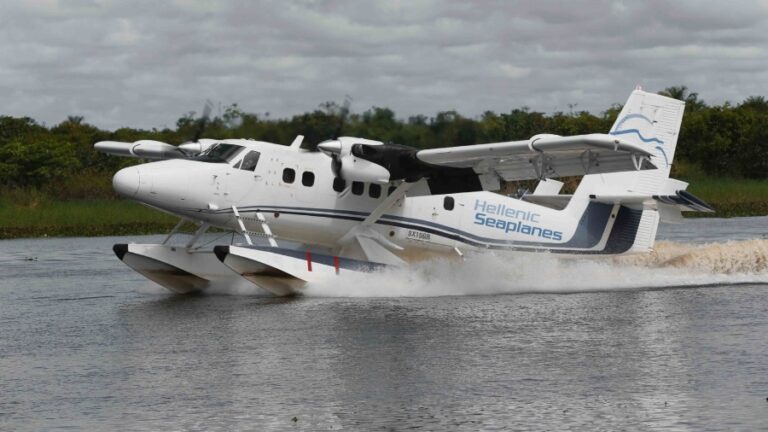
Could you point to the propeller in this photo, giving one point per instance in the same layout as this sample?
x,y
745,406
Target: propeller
x,y
333,147
343,113
203,122
336,165
196,145
365,160
150,149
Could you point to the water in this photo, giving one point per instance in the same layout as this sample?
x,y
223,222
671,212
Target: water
x,y
676,340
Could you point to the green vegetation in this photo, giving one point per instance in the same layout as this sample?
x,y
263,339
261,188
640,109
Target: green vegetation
x,y
53,182
80,218
731,197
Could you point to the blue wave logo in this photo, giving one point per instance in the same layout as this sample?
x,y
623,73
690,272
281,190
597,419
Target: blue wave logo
x,y
620,130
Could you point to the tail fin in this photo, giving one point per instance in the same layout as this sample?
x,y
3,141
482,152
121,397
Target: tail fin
x,y
652,121
649,120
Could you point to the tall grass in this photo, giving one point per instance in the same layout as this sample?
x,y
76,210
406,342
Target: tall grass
x,y
731,197
45,217
729,190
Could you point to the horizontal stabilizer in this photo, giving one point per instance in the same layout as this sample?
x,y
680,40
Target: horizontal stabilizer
x,y
557,202
685,201
548,187
681,200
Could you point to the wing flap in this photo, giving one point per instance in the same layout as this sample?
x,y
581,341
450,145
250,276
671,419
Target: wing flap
x,y
545,156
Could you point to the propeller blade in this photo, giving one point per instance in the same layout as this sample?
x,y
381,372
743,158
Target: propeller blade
x,y
343,113
203,122
336,165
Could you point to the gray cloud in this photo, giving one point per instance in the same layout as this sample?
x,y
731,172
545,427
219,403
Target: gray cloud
x,y
144,63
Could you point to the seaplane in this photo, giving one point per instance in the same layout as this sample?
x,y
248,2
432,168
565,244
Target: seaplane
x,y
302,213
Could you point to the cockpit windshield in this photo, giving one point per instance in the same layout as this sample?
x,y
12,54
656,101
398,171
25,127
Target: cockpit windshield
x,y
219,153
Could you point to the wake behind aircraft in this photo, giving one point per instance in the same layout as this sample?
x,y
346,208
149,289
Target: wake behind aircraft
x,y
359,205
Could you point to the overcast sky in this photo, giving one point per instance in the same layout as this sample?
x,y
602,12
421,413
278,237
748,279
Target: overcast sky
x,y
144,63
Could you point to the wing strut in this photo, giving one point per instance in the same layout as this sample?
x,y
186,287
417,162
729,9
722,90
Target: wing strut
x,y
363,240
174,230
200,231
388,202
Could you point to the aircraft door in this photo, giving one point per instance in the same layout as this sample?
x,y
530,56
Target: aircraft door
x,y
244,175
454,208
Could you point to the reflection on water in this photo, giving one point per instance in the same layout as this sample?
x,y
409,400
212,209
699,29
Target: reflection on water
x,y
86,343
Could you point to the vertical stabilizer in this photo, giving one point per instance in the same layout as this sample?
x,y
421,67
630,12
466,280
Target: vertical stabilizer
x,y
653,122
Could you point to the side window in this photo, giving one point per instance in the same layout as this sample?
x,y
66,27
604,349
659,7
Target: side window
x,y
358,188
308,178
339,184
374,190
448,203
289,175
250,160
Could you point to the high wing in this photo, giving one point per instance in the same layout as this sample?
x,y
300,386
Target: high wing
x,y
146,149
544,156
158,150
150,149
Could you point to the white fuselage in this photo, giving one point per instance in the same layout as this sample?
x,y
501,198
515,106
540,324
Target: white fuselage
x,y
294,190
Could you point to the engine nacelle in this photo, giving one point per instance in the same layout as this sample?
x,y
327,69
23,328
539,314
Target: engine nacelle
x,y
357,169
357,159
148,149
197,147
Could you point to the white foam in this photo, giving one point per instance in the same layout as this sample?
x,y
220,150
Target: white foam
x,y
671,265
235,287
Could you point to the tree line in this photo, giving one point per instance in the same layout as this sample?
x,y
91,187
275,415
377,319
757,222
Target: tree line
x,y
721,140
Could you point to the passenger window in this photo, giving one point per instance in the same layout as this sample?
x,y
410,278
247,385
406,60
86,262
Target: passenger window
x,y
448,203
249,161
374,190
308,178
339,184
358,188
289,175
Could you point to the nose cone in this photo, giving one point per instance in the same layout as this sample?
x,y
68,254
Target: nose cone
x,y
126,182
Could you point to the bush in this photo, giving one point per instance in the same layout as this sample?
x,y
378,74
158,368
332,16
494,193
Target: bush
x,y
36,161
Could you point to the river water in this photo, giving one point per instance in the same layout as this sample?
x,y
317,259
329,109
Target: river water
x,y
676,340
